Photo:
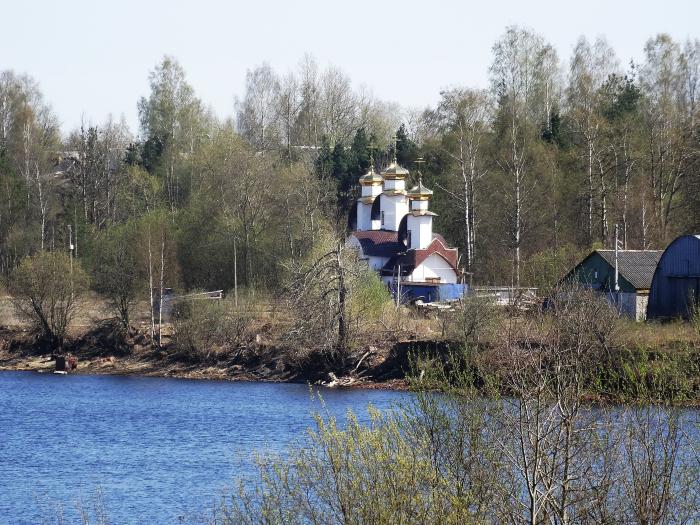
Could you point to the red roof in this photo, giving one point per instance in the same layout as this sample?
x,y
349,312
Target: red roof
x,y
411,259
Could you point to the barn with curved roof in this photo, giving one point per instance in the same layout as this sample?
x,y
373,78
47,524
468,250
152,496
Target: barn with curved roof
x,y
675,287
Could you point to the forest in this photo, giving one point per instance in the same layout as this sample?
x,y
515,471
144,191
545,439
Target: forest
x,y
528,174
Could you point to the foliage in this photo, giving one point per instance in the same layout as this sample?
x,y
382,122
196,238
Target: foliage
x,y
473,319
116,272
527,175
544,270
46,289
541,454
368,299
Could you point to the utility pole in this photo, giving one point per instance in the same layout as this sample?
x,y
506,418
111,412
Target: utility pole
x,y
70,256
617,272
71,247
235,274
398,287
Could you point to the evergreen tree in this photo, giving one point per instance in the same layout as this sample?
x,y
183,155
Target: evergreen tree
x,y
359,155
324,161
406,150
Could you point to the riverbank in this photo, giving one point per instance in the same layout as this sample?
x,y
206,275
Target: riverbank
x,y
108,350
656,363
143,366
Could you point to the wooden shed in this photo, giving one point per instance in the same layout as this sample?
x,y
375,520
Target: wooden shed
x,y
635,272
675,288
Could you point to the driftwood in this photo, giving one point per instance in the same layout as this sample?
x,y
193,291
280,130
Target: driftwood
x,y
364,356
338,382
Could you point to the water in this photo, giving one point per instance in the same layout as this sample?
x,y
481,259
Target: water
x,y
159,449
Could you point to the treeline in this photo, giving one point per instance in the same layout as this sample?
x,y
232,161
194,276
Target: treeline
x,y
527,174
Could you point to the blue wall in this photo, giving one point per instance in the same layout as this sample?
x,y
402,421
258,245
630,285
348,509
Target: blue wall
x,y
430,293
676,283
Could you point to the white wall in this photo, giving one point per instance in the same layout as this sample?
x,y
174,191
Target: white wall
x,y
377,263
371,190
642,302
421,229
364,213
434,266
394,208
394,184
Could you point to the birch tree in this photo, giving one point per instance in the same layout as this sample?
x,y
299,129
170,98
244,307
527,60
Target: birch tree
x,y
667,155
258,112
463,120
173,115
591,65
521,81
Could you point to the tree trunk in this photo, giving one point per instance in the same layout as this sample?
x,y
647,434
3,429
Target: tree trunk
x,y
160,303
150,285
342,294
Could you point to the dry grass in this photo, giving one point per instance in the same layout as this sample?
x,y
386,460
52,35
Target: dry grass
x,y
657,335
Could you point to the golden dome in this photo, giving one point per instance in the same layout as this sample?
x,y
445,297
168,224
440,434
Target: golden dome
x,y
371,178
419,192
395,171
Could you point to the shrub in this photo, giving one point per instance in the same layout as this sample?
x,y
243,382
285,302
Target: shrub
x,y
46,289
202,328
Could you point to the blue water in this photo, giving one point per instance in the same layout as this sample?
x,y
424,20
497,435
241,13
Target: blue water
x,y
160,450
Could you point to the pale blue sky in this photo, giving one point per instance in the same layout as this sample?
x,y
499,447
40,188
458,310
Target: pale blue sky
x,y
92,57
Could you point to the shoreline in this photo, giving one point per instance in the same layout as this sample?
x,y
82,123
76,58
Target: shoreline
x,y
648,371
144,367
138,368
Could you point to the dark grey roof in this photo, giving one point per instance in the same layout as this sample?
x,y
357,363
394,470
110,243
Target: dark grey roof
x,y
379,243
637,266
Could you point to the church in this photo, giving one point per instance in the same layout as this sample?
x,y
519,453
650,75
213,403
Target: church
x,y
392,230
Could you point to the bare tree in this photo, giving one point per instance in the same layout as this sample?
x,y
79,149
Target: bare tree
x,y
463,119
259,112
590,68
668,156
322,294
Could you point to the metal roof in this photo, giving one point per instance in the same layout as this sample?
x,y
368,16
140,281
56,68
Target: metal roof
x,y
394,170
637,266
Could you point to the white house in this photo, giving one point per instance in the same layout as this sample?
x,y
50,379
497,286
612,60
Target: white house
x,y
393,231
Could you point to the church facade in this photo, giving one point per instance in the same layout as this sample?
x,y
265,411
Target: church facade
x,y
392,230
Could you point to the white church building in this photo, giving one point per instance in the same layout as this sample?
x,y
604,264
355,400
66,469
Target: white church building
x,y
392,229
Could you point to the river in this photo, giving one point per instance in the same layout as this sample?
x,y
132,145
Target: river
x,y
159,450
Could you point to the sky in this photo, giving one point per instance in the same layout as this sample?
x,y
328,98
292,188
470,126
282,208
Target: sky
x,y
92,58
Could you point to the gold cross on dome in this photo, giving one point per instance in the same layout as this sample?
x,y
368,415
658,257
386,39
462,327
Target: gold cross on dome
x,y
419,161
371,147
